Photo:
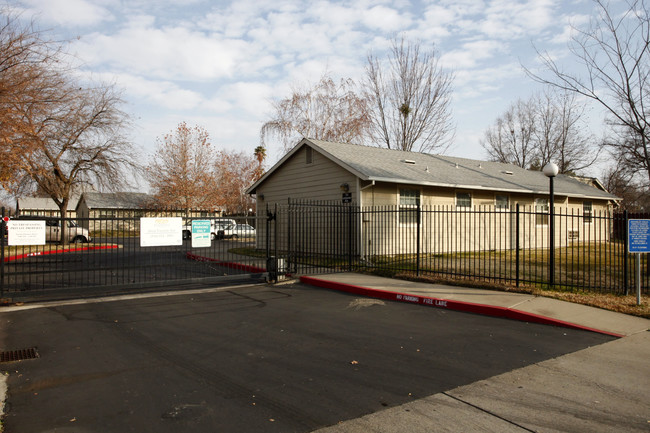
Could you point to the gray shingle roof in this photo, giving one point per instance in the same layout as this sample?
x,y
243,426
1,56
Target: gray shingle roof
x,y
379,164
116,200
43,203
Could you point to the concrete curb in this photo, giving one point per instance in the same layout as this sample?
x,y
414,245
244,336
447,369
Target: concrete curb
x,y
468,307
71,250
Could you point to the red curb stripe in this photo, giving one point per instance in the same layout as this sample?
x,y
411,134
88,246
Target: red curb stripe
x,y
468,307
231,265
45,253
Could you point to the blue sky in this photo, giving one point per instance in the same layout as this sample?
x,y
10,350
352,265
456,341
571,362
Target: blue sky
x,y
220,64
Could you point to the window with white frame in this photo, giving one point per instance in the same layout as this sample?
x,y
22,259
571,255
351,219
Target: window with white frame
x,y
409,199
587,209
502,202
463,200
541,210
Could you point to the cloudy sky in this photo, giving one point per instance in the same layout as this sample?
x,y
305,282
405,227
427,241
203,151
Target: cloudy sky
x,y
219,64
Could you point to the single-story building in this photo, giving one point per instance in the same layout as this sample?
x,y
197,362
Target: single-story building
x,y
379,178
44,206
118,210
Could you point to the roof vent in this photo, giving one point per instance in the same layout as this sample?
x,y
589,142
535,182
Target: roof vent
x,y
456,165
509,173
427,169
408,161
480,166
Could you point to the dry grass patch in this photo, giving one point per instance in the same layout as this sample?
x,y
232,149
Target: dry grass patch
x,y
606,301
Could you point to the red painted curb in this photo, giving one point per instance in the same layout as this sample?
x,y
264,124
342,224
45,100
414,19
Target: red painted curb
x,y
230,265
71,250
468,307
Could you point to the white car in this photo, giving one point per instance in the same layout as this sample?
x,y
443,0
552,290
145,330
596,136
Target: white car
x,y
236,231
216,224
73,232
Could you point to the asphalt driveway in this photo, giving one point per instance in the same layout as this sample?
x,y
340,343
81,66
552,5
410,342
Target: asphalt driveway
x,y
249,359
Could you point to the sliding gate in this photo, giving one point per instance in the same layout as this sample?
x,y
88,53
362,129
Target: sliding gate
x,y
114,260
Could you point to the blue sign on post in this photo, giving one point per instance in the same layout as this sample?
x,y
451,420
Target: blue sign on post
x,y
201,233
638,232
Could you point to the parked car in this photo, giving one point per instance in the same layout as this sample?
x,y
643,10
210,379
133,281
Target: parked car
x,y
73,232
236,231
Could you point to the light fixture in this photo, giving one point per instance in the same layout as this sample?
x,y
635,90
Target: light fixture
x,y
551,170
345,187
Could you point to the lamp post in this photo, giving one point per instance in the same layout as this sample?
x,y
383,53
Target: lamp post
x,y
551,170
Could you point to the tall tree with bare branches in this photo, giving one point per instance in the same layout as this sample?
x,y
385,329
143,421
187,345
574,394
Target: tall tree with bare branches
x,y
328,110
31,76
612,56
410,99
546,127
236,171
57,133
181,170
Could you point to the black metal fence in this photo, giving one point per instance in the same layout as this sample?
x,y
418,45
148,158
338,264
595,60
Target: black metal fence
x,y
508,246
501,246
105,255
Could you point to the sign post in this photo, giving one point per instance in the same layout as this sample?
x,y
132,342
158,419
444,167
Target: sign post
x,y
638,235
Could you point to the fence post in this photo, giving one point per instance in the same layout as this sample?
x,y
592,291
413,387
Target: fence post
x,y
625,254
290,263
417,241
517,247
3,230
350,222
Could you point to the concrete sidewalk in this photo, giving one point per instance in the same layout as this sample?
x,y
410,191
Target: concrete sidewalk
x,y
489,302
600,389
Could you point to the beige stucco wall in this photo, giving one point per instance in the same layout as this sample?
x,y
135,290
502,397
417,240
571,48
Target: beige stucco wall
x,y
319,180
445,228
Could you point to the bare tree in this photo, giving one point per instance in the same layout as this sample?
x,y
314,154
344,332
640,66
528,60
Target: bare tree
x,y
31,75
326,111
410,99
181,170
57,134
546,127
235,172
612,54
74,140
510,139
620,182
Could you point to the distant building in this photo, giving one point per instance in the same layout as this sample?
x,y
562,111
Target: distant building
x,y
44,206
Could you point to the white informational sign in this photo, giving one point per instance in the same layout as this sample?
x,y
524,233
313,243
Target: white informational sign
x,y
161,232
201,233
26,232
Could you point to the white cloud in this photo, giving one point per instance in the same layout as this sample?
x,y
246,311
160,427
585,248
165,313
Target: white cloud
x,y
251,97
167,53
68,12
385,19
162,94
506,19
470,54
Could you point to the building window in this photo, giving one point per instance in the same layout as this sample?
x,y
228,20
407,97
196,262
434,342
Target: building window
x,y
309,155
463,200
541,210
502,202
409,200
587,208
